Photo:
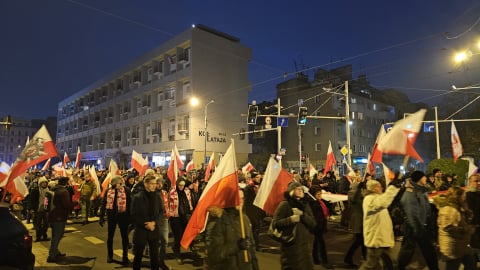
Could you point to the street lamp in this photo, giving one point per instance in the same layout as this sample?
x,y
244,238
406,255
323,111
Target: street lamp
x,y
195,102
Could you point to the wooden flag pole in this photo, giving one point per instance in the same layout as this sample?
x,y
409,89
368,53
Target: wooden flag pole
x,y
242,230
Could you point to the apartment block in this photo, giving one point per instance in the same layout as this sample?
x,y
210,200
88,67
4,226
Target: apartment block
x,y
145,106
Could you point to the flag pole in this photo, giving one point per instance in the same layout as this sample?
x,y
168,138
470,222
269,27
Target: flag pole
x,y
242,230
405,161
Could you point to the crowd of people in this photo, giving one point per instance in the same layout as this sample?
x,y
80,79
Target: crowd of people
x,y
445,227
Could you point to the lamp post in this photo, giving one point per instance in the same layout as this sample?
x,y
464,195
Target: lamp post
x,y
205,134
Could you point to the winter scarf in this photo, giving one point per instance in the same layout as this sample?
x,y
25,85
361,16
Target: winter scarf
x,y
121,199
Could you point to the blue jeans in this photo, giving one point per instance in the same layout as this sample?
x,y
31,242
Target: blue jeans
x,y
58,229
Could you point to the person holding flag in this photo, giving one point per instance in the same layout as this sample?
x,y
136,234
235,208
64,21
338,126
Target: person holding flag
x,y
294,213
224,241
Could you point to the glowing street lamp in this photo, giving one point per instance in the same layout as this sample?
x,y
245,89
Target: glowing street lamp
x,y
195,102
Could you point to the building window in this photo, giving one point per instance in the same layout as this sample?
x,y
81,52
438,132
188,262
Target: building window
x,y
317,131
318,147
353,100
360,116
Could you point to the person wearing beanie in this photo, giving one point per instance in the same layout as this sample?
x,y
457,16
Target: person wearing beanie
x,y
36,201
419,223
294,215
377,224
116,205
57,217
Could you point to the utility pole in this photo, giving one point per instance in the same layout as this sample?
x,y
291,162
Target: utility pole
x,y
279,132
437,137
347,123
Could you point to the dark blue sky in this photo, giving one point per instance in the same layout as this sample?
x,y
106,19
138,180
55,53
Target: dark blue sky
x,y
51,49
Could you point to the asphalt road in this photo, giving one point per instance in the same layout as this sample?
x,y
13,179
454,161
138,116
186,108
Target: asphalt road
x,y
85,246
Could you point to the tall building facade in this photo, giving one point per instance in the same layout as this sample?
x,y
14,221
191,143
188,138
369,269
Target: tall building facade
x,y
325,99
145,106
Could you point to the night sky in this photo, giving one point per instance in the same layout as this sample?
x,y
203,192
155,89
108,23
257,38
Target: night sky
x,y
50,49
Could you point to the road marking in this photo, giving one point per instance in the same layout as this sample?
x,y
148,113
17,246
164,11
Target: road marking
x,y
119,253
94,240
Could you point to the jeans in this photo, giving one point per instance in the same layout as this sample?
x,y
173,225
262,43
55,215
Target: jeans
x,y
112,226
86,204
357,242
140,238
375,256
58,229
425,243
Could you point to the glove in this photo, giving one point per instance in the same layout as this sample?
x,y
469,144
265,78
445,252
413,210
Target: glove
x,y
295,218
243,243
297,211
397,183
101,222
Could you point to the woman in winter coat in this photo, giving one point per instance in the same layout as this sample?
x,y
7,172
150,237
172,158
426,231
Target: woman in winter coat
x,y
320,212
295,214
224,242
454,232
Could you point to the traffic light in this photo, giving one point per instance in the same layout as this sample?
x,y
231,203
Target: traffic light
x,y
302,116
252,114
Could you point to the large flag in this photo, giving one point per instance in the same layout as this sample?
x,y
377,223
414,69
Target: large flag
x,y
330,158
248,167
58,169
46,165
94,177
210,167
66,159
376,155
17,189
176,164
220,191
312,171
274,184
370,166
4,168
139,163
457,148
190,166
401,138
78,158
38,149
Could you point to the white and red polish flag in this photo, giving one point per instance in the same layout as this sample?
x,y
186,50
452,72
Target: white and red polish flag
x,y
58,169
18,189
210,167
4,168
66,159
248,167
370,166
274,184
78,158
312,171
388,174
176,164
46,165
376,155
38,149
457,148
221,191
330,158
190,166
112,172
94,177
139,163
401,138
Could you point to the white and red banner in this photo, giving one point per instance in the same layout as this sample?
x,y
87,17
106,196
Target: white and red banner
x,y
176,164
330,158
113,171
210,167
401,138
190,166
274,184
457,148
38,149
376,155
247,168
78,158
312,171
139,163
388,174
66,159
46,166
94,177
220,191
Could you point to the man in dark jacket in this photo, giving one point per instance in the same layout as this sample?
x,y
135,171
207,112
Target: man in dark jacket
x,y
473,200
36,201
57,217
147,210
